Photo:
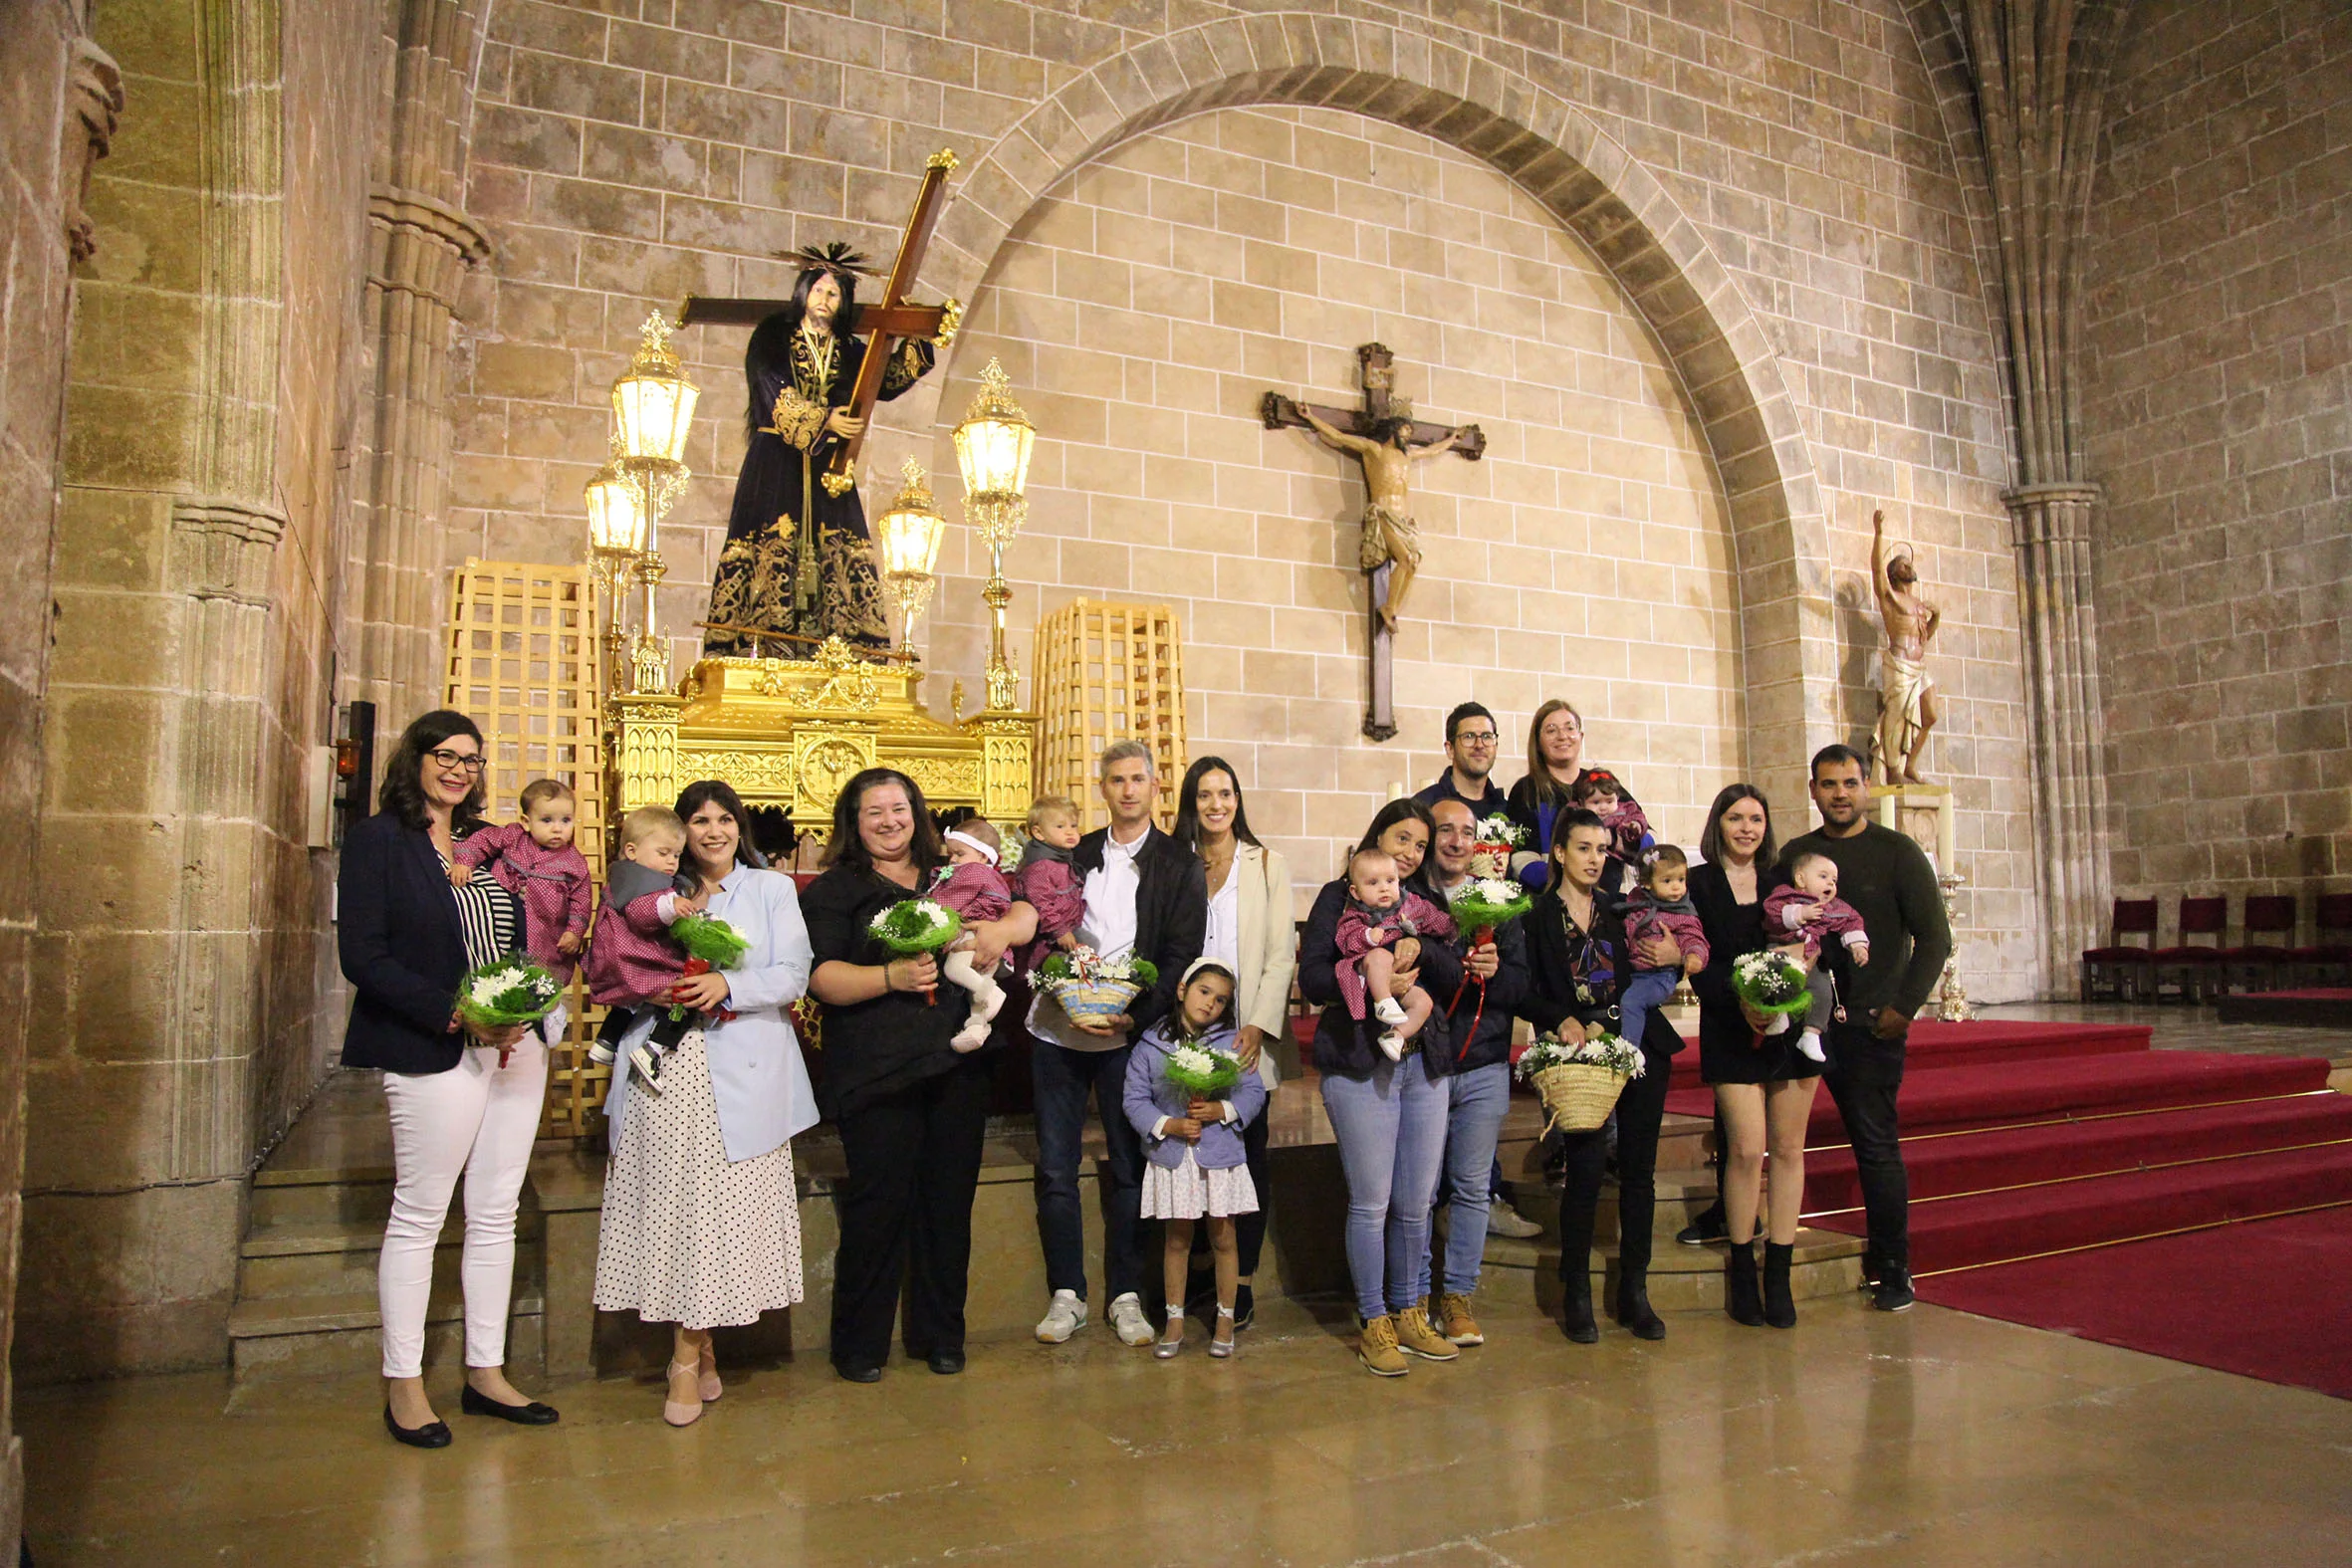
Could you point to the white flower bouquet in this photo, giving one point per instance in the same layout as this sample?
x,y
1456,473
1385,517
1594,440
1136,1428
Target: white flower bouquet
x,y
504,992
1492,843
1203,1070
1579,1079
1483,903
1770,982
916,926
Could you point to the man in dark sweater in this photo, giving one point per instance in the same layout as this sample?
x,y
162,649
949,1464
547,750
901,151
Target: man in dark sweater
x,y
1888,880
1471,743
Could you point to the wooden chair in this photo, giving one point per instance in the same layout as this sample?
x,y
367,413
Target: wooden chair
x,y
2259,964
2123,966
2327,962
2189,966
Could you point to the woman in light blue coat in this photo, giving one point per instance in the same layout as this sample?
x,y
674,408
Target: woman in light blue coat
x,y
701,1224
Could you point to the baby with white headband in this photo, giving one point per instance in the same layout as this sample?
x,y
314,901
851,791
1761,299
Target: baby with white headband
x,y
974,887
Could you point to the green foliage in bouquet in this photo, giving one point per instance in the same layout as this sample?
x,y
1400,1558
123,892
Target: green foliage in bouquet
x,y
1203,1070
505,992
1770,982
1600,1051
1483,903
711,940
916,925
1085,967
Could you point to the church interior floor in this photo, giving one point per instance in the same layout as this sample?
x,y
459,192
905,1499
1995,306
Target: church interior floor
x,y
2183,1026
1930,1437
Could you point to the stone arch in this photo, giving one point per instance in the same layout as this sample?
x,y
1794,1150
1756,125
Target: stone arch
x,y
1597,192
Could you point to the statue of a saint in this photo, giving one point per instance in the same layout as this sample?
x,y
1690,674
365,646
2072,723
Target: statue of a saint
x,y
1387,454
798,559
1908,710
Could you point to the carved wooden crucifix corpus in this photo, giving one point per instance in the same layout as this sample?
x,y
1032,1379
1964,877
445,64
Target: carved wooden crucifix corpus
x,y
882,323
1385,438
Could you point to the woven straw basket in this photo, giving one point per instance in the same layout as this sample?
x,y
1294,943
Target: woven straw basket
x,y
1578,1095
1087,1000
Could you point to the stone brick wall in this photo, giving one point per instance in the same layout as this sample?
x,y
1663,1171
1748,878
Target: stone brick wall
x,y
2219,416
36,193
624,161
183,943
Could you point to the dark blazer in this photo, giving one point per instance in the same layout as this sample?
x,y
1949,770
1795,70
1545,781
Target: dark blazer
x,y
1171,914
403,949
1551,989
1341,1043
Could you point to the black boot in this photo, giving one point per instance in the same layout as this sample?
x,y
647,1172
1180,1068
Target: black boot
x,y
1576,1311
1633,1307
1739,1297
1779,1307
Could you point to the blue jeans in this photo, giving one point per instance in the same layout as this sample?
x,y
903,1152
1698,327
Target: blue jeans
x,y
1392,1128
1061,1077
1475,1103
1649,987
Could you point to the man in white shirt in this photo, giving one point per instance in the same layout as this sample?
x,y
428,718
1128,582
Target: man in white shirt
x,y
1145,896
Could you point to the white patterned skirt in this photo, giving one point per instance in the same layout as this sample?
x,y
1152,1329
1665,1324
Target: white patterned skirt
x,y
689,1237
1188,1191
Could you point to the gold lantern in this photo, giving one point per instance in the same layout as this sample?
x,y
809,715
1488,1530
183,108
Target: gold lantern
x,y
652,419
992,445
907,534
616,539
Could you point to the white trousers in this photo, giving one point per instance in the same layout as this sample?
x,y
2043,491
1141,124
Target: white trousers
x,y
477,1119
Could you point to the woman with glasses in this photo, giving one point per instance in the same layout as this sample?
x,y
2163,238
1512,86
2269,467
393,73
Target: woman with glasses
x,y
464,1100
1555,754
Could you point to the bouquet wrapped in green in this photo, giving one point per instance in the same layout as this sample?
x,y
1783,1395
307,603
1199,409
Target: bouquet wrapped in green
x,y
504,992
1579,1079
1770,982
1203,1070
916,926
1088,986
1477,907
705,937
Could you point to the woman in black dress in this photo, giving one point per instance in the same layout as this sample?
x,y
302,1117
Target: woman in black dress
x,y
1577,966
1763,1091
797,557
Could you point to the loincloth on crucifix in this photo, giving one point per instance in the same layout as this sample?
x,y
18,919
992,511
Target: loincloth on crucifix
x,y
1389,536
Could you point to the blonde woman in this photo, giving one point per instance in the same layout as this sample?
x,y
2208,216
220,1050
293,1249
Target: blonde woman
x,y
1252,933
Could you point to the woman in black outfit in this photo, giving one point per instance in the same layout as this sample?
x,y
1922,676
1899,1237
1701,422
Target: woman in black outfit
x,y
1763,1089
1577,966
910,1109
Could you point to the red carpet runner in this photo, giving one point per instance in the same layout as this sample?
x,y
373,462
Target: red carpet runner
x,y
2036,1148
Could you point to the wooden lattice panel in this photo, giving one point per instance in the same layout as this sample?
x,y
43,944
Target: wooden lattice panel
x,y
1104,673
526,663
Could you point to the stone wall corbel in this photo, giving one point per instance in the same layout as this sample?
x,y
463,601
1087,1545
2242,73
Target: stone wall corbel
x,y
93,87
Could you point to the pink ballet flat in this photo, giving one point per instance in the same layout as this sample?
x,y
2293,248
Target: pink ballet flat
x,y
712,1388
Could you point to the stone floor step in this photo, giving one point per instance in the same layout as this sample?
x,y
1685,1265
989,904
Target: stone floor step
x,y
1683,1277
1682,1197
339,1201
308,1336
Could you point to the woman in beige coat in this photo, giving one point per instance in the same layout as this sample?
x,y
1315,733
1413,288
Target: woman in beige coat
x,y
1252,930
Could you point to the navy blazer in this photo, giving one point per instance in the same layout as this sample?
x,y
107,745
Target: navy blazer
x,y
403,949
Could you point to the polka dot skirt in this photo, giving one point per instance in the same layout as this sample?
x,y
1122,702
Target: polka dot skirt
x,y
688,1236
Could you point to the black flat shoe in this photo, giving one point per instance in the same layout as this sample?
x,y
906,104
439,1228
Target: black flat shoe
x,y
947,1363
432,1435
857,1371
476,1403
1245,1307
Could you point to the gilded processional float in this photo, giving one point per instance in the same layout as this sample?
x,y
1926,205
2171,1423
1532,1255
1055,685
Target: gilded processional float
x,y
801,688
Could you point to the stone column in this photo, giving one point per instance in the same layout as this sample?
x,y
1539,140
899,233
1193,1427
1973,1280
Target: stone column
x,y
420,247
2040,74
2050,530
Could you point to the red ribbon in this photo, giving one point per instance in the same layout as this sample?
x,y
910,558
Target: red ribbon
x,y
1485,939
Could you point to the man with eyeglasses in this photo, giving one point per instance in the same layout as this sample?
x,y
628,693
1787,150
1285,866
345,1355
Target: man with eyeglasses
x,y
1471,741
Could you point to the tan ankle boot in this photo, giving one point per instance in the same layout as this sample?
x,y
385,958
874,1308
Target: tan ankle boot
x,y
1378,1351
1413,1333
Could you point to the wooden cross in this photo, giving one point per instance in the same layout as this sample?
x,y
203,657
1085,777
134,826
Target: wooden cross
x,y
882,323
1377,368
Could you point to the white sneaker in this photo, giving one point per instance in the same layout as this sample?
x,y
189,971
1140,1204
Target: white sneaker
x,y
1393,1046
1388,1011
1808,1046
1126,1316
601,1053
1065,1317
1504,1220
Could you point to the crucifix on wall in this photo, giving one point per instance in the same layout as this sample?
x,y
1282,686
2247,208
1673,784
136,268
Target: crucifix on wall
x,y
1385,437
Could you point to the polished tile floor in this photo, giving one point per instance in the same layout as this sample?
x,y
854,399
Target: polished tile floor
x,y
1932,1438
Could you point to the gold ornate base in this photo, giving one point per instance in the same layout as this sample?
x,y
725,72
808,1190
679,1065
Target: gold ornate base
x,y
791,733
